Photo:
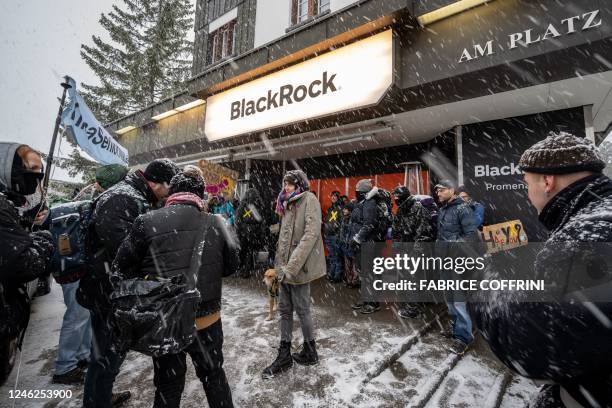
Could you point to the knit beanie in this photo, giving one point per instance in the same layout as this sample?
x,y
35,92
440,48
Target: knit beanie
x,y
562,153
109,175
190,180
161,171
364,185
298,178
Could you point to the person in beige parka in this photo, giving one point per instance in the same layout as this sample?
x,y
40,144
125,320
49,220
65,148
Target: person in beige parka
x,y
300,259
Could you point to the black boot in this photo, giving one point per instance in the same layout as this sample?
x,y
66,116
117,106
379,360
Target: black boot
x,y
283,361
308,355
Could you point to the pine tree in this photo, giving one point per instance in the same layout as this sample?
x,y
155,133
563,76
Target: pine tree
x,y
148,58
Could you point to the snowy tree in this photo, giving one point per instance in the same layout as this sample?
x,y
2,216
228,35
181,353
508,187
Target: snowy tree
x,y
148,57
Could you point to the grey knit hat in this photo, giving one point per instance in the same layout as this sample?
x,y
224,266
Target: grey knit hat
x,y
298,178
562,153
364,185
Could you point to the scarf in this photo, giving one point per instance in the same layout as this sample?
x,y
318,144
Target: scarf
x,y
185,198
284,198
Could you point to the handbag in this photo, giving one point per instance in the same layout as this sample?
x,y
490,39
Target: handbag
x,y
156,316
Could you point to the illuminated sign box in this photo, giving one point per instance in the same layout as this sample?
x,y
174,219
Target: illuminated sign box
x,y
350,77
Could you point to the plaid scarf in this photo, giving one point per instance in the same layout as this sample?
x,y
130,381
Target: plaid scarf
x,y
284,198
185,198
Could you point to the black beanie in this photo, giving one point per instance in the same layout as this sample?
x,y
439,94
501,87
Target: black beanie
x,y
189,180
161,171
562,153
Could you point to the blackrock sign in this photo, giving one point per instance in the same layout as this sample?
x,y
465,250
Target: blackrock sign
x,y
350,77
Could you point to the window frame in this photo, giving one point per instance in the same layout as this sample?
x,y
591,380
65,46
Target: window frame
x,y
221,43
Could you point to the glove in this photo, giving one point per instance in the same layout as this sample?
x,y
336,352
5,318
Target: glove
x,y
44,241
280,274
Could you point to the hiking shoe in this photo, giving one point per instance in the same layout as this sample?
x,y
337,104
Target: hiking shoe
x,y
308,356
370,308
458,347
357,306
283,361
74,376
119,398
83,364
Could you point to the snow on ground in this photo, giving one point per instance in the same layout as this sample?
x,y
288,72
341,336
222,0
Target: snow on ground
x,y
365,361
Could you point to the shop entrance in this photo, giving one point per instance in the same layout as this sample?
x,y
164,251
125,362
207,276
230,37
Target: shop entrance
x,y
414,177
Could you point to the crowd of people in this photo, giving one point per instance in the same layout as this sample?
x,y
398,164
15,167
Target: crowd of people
x,y
157,228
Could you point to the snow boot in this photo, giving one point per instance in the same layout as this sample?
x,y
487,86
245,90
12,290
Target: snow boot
x,y
409,311
308,356
283,361
119,398
74,376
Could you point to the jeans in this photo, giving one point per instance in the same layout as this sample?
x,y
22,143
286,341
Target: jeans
x,y
335,261
295,297
75,335
462,324
104,365
207,356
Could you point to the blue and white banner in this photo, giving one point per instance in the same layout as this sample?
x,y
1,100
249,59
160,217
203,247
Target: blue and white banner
x,y
88,133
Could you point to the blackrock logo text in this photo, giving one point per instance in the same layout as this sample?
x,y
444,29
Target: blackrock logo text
x,y
285,95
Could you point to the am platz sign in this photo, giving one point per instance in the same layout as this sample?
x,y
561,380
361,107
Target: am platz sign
x,y
530,36
351,77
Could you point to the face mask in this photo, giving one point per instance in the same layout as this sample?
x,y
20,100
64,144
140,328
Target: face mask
x,y
32,200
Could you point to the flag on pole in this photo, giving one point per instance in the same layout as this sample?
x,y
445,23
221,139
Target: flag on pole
x,y
80,122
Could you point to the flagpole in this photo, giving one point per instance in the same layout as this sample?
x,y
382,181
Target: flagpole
x,y
58,120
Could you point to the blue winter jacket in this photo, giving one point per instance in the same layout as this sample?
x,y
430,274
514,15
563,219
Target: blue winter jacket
x,y
479,212
456,222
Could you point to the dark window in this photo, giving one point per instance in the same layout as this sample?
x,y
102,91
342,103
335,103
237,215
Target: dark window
x,y
221,43
302,10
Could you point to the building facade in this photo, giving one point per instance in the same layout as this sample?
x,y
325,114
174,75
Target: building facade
x,y
404,91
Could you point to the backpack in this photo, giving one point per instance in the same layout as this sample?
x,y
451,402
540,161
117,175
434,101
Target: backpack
x,y
157,316
430,205
384,216
69,223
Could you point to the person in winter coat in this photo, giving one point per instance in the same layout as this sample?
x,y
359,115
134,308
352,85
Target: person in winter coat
x,y
411,223
567,344
74,345
478,208
456,223
332,229
300,259
161,243
114,211
23,256
251,229
365,228
351,274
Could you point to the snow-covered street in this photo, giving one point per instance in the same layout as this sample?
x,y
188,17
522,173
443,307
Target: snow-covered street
x,y
365,361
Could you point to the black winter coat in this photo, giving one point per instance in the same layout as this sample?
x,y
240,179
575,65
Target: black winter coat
x,y
161,243
250,221
23,256
333,219
364,220
412,223
114,212
569,343
456,222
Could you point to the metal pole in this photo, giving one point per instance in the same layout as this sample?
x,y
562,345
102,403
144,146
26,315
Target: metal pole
x,y
58,120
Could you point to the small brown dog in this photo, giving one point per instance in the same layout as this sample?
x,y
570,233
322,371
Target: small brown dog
x,y
271,281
